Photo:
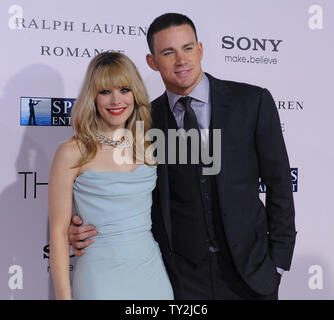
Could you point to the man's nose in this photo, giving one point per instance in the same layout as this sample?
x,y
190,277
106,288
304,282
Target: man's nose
x,y
180,58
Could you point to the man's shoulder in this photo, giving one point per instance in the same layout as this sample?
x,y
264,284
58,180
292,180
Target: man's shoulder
x,y
159,104
233,85
160,101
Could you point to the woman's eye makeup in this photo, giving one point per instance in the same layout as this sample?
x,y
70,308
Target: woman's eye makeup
x,y
122,90
125,90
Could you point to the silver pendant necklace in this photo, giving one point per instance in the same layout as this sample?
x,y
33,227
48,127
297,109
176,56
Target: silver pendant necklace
x,y
121,143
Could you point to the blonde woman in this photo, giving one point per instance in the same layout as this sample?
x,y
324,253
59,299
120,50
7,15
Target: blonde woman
x,y
98,171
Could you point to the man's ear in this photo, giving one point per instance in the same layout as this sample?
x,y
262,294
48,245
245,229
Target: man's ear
x,y
151,62
200,48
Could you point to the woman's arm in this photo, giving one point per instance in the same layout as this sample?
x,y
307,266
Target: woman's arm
x,y
60,190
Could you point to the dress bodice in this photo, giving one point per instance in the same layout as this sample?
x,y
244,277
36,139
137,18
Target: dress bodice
x,y
117,203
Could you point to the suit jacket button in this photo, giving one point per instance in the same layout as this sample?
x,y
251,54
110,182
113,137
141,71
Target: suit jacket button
x,y
203,180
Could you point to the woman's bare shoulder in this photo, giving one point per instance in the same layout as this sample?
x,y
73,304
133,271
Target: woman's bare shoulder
x,y
69,151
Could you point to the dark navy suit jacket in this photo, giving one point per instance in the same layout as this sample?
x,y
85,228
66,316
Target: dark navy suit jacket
x,y
260,237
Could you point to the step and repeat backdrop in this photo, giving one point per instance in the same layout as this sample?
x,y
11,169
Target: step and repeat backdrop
x,y
285,46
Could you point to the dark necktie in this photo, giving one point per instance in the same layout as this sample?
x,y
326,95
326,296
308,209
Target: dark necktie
x,y
189,119
190,122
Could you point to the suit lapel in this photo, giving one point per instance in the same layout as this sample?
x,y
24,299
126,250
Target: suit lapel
x,y
220,97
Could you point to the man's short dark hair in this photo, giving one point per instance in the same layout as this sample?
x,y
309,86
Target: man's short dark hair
x,y
165,21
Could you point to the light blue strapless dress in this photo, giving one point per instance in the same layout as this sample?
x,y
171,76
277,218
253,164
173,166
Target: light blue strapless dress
x,y
124,262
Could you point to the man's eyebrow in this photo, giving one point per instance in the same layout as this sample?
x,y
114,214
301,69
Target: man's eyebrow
x,y
189,44
166,49
172,49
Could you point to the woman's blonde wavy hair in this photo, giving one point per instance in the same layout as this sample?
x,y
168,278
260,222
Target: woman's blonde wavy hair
x,y
107,70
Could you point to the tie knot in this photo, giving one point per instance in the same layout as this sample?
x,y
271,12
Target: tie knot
x,y
185,101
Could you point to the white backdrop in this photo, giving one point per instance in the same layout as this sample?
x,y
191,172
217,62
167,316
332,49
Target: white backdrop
x,y
46,47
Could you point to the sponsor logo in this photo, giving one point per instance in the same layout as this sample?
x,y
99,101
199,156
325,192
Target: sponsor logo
x,y
22,23
254,44
290,105
28,184
46,255
36,111
58,51
294,178
40,24
240,45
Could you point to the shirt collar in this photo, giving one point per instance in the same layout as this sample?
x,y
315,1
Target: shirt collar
x,y
200,92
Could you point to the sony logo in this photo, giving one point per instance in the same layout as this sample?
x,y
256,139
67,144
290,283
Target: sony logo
x,y
244,43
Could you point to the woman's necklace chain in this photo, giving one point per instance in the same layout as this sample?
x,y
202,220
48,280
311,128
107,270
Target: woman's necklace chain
x,y
123,142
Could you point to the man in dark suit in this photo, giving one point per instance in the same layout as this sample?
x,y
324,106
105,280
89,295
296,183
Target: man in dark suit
x,y
217,238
